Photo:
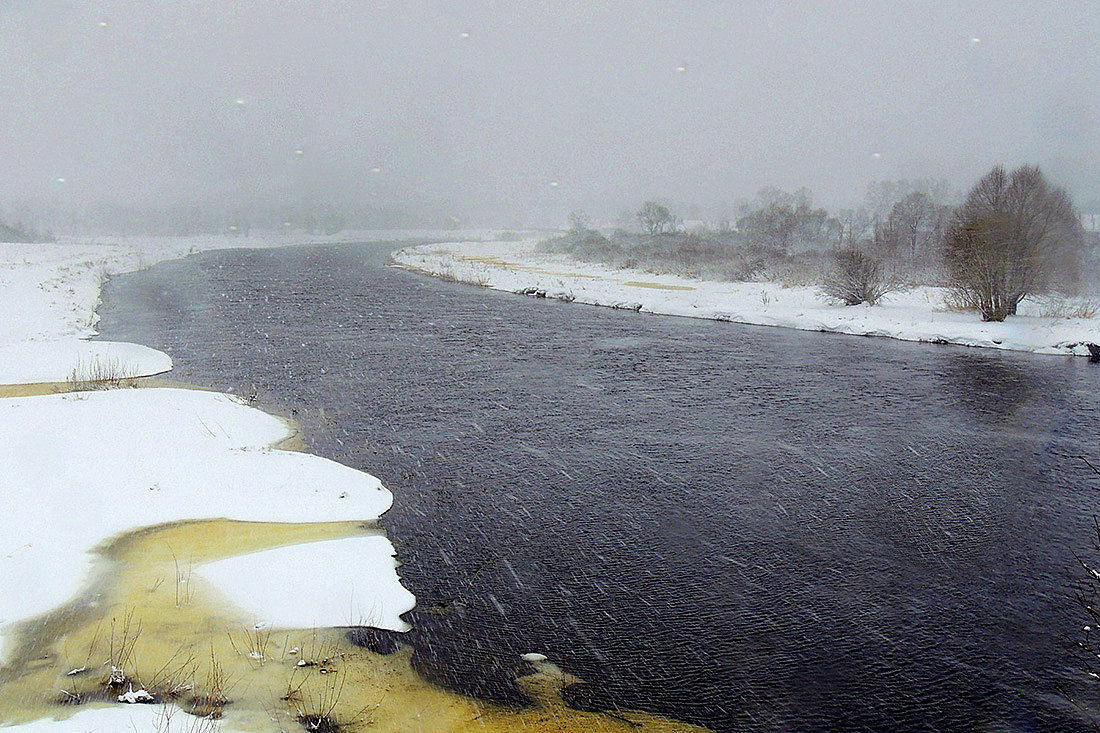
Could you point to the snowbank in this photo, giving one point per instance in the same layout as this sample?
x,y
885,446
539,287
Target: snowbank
x,y
316,585
31,362
82,467
50,293
914,315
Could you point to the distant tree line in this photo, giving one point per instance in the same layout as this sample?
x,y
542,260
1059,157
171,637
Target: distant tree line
x,y
23,234
1014,235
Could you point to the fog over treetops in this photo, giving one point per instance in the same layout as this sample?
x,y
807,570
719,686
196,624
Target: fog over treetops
x,y
507,111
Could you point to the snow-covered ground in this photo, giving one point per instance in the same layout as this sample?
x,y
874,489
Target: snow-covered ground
x,y
282,587
914,315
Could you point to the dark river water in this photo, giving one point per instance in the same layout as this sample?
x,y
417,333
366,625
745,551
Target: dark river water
x,y
746,528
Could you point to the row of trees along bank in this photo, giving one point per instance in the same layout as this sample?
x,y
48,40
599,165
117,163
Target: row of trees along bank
x,y
1014,235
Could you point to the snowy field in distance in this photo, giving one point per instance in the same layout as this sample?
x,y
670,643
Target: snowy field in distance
x,y
913,315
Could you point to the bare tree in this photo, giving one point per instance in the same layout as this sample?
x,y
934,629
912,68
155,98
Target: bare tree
x,y
1014,235
910,216
781,219
915,224
883,195
852,227
857,277
655,218
579,221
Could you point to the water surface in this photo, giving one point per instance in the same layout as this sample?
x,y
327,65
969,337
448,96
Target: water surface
x,y
741,527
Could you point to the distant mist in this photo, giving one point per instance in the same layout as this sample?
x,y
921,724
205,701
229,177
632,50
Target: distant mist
x,y
129,114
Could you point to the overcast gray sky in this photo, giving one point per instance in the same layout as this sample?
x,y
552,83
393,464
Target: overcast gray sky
x,y
483,106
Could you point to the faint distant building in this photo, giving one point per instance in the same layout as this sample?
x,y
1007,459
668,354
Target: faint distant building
x,y
1091,222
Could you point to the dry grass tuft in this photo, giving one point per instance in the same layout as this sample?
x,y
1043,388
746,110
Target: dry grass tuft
x,y
1055,307
100,373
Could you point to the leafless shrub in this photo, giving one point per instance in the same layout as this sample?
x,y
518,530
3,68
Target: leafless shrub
x,y
315,705
124,637
213,695
320,653
254,643
857,277
175,677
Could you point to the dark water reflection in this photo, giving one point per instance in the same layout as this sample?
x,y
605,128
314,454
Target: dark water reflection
x,y
743,527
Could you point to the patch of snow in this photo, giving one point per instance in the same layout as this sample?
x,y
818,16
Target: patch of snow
x,y
126,719
79,469
136,697
913,315
345,582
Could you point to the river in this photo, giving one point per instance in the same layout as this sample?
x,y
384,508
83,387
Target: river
x,y
746,528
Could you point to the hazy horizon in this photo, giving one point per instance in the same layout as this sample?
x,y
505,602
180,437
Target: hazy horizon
x,y
523,112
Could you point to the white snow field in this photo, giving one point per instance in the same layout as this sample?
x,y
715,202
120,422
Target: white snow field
x,y
50,293
914,315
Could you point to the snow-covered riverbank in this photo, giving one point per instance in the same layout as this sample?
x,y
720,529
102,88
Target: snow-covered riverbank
x,y
914,315
113,497
50,293
83,468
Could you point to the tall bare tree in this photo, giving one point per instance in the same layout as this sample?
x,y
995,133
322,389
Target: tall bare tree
x,y
1014,235
782,219
911,218
656,218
